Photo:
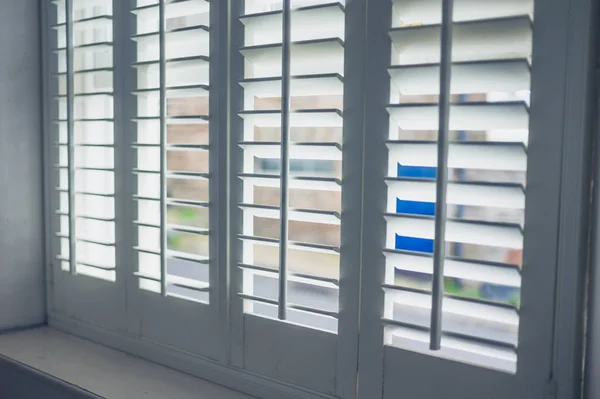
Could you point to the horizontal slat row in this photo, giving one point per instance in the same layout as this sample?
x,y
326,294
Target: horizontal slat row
x,y
301,215
173,9
485,194
504,156
486,39
468,77
302,308
463,269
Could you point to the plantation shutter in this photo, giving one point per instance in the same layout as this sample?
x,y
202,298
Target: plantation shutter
x,y
81,143
344,198
85,139
486,163
446,206
290,250
172,147
171,155
288,64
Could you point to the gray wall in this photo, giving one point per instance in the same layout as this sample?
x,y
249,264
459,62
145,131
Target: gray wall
x,y
22,288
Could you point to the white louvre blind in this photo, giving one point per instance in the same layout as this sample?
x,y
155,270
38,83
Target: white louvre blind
x,y
172,145
85,137
308,290
487,160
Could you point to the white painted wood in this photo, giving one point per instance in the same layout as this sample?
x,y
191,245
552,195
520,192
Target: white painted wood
x,y
291,353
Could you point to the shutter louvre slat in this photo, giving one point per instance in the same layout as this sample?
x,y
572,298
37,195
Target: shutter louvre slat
x,y
456,306
296,277
173,9
429,11
466,116
300,118
177,281
467,77
468,232
180,91
302,308
471,194
299,215
324,151
175,255
311,247
84,263
476,155
474,40
296,182
485,272
300,85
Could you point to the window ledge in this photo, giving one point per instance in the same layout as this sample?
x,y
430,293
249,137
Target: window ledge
x,y
93,369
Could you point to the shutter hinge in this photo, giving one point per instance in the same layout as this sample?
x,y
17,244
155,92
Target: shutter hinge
x,y
551,389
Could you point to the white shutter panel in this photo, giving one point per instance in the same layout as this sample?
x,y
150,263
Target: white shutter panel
x,y
287,70
172,146
85,142
315,154
487,162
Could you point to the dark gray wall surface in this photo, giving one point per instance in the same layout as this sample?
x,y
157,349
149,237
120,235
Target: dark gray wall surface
x,y
592,366
22,382
22,282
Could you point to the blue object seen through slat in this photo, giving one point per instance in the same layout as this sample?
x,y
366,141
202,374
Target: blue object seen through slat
x,y
415,208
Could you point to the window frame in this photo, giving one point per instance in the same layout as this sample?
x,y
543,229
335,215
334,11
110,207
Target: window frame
x,y
573,28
